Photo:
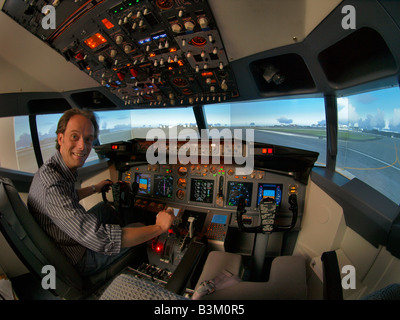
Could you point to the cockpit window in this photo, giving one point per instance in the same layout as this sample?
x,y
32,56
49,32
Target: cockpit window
x,y
19,154
129,124
298,123
369,139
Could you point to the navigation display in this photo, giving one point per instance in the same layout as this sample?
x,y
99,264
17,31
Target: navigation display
x,y
163,186
202,190
272,191
144,181
219,218
236,189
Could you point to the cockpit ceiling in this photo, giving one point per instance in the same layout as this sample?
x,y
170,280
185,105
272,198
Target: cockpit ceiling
x,y
273,23
30,65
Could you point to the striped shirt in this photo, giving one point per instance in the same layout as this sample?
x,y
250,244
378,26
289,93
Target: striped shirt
x,y
53,201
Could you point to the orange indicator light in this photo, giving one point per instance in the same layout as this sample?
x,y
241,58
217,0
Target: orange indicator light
x,y
95,40
107,23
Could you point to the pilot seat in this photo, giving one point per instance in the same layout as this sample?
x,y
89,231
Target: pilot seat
x,y
36,250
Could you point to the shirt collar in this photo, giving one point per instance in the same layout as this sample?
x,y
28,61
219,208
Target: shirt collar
x,y
67,171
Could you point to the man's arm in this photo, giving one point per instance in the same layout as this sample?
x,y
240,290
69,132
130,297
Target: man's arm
x,y
88,191
134,236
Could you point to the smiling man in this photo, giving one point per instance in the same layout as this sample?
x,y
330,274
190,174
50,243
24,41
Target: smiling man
x,y
90,242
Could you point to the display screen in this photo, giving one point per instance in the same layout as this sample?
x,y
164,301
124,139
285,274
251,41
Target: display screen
x,y
202,190
271,191
236,189
163,186
144,181
219,218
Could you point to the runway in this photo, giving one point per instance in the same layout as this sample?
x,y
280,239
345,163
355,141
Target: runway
x,y
375,162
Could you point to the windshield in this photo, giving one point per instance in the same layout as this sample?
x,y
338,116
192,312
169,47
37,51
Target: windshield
x,y
128,124
297,123
369,139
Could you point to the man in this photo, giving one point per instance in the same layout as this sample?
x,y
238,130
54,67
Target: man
x,y
89,243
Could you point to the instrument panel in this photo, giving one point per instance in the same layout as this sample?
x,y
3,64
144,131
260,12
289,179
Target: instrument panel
x,y
210,186
157,53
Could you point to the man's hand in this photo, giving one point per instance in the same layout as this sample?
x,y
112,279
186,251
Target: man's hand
x,y
164,219
101,184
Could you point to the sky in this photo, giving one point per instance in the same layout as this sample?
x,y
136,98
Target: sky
x,y
378,109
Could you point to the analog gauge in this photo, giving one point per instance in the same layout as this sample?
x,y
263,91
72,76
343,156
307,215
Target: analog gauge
x,y
180,194
180,82
231,172
181,183
195,169
182,171
213,170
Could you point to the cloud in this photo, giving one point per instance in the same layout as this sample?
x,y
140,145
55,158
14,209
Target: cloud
x,y
346,111
376,121
284,120
394,122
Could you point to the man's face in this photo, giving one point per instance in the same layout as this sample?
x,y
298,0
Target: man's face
x,y
76,142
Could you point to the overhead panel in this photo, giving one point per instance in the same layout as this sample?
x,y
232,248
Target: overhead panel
x,y
157,53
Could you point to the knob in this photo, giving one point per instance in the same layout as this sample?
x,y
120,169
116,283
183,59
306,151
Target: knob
x,y
113,53
189,25
176,28
119,39
203,22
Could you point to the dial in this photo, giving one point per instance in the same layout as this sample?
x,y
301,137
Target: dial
x,y
182,183
182,171
180,194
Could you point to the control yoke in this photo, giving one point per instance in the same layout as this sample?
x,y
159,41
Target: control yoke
x,y
123,194
267,214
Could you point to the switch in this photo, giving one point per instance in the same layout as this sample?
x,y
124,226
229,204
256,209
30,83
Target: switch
x,y
121,76
133,72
